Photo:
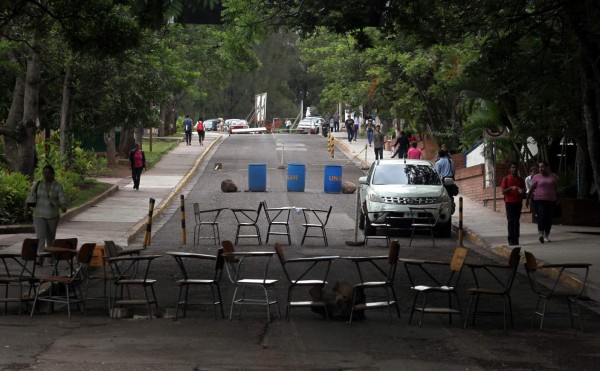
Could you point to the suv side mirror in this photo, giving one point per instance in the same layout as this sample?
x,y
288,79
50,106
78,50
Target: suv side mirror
x,y
362,180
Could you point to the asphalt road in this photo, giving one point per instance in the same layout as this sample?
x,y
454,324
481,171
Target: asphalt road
x,y
307,341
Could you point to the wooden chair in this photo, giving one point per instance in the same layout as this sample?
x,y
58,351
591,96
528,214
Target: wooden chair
x,y
278,217
316,218
569,295
434,285
382,279
502,277
132,273
247,219
207,218
310,267
20,275
67,289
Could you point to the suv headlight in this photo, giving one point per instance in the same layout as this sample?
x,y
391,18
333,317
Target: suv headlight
x,y
374,197
443,198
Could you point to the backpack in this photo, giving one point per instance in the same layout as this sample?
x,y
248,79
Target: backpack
x,y
200,126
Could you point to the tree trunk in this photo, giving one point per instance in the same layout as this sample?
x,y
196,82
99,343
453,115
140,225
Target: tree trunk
x,y
13,130
127,142
582,173
111,150
163,120
65,115
26,147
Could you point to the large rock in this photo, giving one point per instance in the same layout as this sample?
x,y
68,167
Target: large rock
x,y
348,187
228,186
338,298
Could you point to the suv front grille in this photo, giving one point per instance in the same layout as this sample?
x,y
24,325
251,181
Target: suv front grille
x,y
410,200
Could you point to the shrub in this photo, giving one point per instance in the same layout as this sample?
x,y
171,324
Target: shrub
x,y
14,189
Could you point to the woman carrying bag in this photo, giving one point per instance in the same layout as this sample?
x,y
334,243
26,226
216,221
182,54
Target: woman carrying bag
x,y
543,193
48,196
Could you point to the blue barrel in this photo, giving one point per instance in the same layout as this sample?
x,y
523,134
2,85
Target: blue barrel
x,y
257,177
296,177
333,178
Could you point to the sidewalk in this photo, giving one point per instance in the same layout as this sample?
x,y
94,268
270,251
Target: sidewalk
x,y
486,228
121,216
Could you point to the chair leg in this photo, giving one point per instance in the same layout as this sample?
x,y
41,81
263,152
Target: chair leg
x,y
545,305
233,302
412,234
412,310
304,235
469,312
387,294
395,300
352,308
178,303
237,233
578,314
423,309
258,234
325,236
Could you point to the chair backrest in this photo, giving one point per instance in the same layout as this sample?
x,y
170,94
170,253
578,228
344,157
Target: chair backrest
x,y
220,261
458,259
424,215
85,254
111,249
394,252
29,249
515,257
67,243
530,262
229,260
280,253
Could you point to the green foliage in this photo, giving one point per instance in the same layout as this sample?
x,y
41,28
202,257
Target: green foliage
x,y
14,188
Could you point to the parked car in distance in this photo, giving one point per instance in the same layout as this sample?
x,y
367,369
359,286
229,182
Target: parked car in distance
x,y
236,124
211,124
392,186
310,125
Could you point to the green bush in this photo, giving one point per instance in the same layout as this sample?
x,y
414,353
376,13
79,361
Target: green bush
x,y
14,189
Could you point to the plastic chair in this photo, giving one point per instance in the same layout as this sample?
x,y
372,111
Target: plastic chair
x,y
570,295
206,218
309,267
68,287
131,273
435,285
423,218
242,281
315,218
381,278
193,269
22,278
247,219
278,217
502,277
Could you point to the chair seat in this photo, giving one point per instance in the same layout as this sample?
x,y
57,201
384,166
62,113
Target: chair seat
x,y
437,310
308,282
374,305
423,225
372,284
433,288
195,282
135,282
312,225
253,281
307,303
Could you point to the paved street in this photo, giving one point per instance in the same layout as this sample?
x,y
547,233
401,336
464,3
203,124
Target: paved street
x,y
307,341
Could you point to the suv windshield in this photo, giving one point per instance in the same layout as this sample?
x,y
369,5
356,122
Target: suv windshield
x,y
405,174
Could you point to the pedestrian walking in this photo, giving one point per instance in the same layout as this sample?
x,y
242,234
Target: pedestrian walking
x,y
543,193
350,128
137,162
356,125
50,198
370,131
414,153
200,130
378,142
187,128
336,121
443,148
401,144
513,189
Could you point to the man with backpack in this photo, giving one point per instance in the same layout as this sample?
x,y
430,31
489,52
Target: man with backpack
x,y
187,129
200,130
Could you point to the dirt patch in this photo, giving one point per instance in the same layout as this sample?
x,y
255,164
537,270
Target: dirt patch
x,y
120,170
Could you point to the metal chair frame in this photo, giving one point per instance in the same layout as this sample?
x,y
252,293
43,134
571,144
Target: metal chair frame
x,y
316,218
310,266
556,291
278,217
23,277
423,218
247,218
185,261
211,220
503,277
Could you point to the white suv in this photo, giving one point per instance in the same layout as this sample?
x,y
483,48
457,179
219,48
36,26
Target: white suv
x,y
392,186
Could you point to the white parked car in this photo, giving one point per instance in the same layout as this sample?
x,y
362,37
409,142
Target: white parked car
x,y
236,124
392,186
310,125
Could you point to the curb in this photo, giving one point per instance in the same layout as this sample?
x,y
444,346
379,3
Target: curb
x,y
134,231
347,151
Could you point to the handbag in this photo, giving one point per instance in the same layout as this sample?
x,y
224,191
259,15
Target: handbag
x,y
32,198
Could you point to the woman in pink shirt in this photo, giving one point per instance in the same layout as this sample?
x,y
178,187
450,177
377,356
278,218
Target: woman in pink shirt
x,y
543,192
137,161
414,152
